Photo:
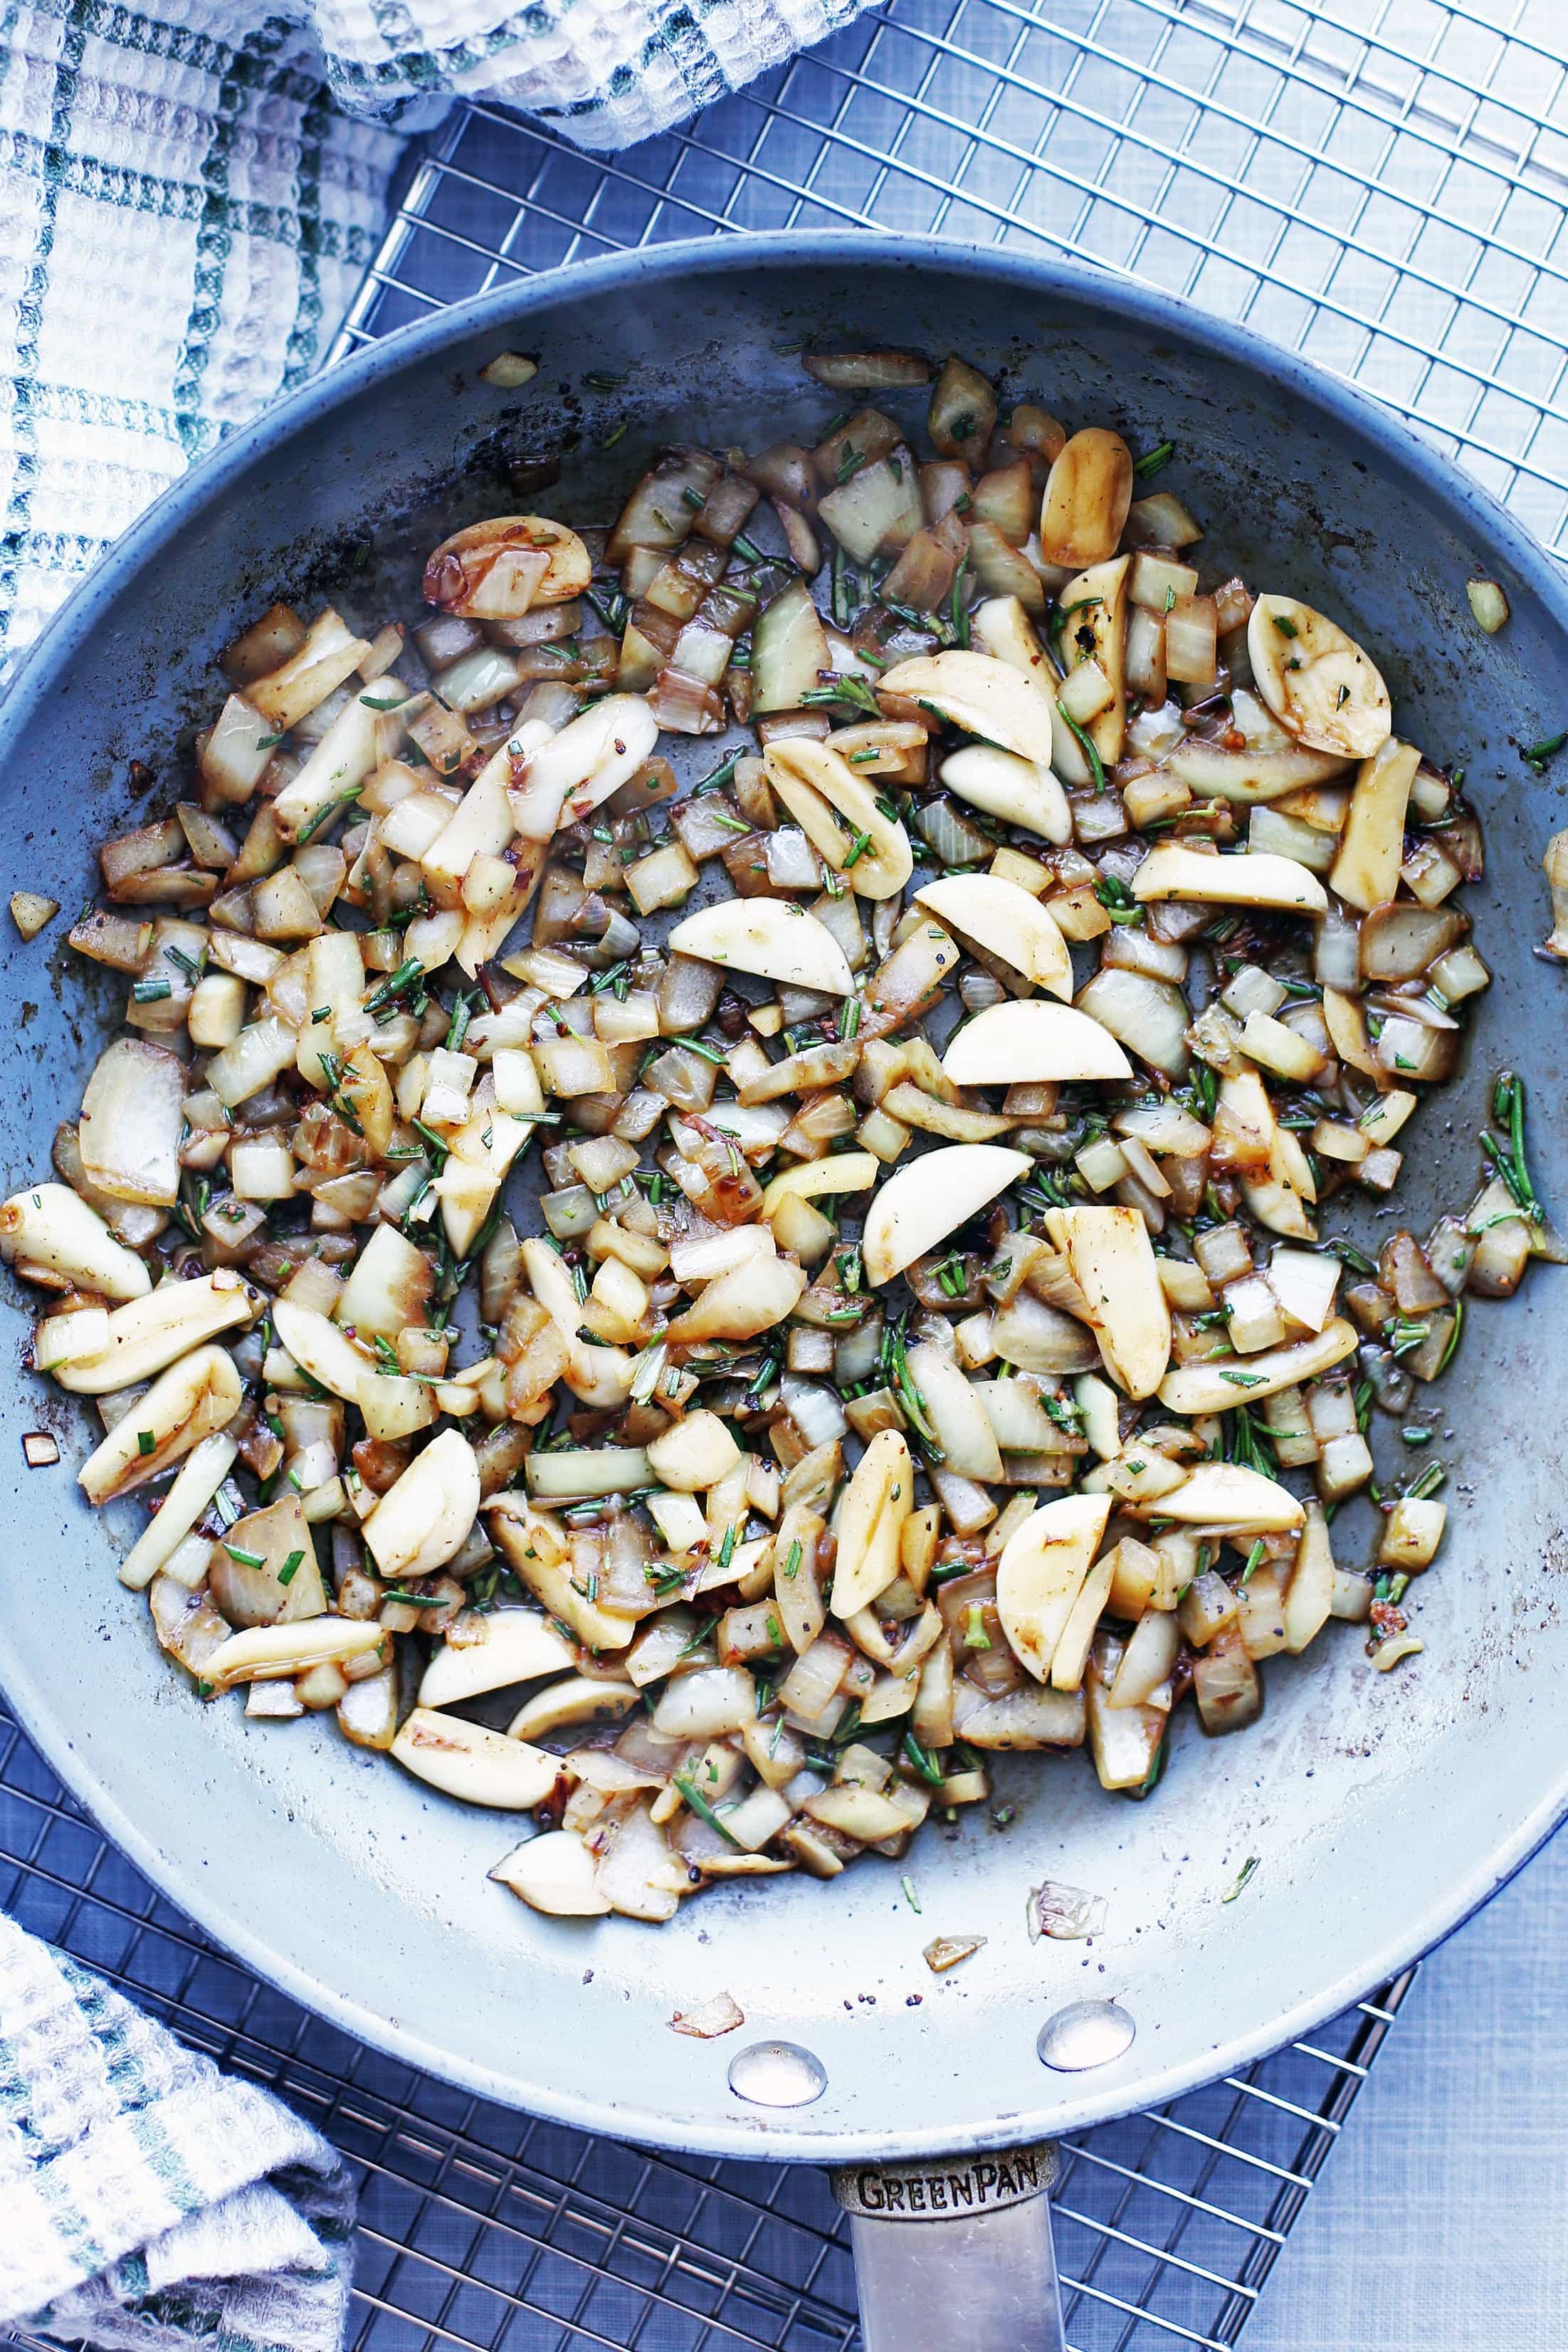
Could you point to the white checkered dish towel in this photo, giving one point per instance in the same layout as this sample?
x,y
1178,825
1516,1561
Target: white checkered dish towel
x,y
148,2201
189,196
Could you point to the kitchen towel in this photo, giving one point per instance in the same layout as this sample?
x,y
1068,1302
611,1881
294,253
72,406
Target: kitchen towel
x,y
189,196
148,2202
183,216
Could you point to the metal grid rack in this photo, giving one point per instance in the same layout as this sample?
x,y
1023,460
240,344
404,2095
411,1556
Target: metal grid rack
x,y
484,2230
1382,184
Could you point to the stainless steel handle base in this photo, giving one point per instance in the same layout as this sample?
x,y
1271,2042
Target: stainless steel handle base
x,y
956,2256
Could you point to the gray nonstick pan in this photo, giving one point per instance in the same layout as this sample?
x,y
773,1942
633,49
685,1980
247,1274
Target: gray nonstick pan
x,y
1377,1810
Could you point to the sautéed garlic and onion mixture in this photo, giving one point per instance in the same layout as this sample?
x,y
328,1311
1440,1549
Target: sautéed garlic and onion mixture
x,y
701,1312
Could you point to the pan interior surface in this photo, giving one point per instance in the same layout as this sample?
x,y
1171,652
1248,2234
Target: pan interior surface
x,y
1377,1810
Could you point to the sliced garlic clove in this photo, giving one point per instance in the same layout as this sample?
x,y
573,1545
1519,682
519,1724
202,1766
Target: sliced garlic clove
x,y
959,1416
876,1503
1040,1571
421,1520
518,1646
67,1338
929,1198
610,1775
342,758
600,1376
564,777
530,1542
1026,1042
321,1350
981,695
1097,633
773,938
1112,1259
1226,1494
1288,1164
840,814
572,1478
1001,628
1088,494
200,1395
1138,1475
567,1706
1195,1388
1006,921
1365,874
147,1335
1003,785
201,1475
1248,878
482,1768
275,1653
556,1874
480,826
49,1225
388,1283
497,570
1316,681
840,1171
1259,773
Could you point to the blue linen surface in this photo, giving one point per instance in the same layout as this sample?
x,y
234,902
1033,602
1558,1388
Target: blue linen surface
x,y
1442,2221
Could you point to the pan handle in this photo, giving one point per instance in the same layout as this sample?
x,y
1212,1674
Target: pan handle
x,y
956,2252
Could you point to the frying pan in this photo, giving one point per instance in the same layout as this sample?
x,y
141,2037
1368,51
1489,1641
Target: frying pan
x,y
1379,1811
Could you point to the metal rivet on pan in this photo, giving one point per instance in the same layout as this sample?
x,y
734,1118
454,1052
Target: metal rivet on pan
x,y
1086,2033
777,2074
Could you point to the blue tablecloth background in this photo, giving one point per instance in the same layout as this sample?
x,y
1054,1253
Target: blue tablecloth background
x,y
1440,2223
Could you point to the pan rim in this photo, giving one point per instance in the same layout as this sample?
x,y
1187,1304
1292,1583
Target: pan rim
x,y
1398,451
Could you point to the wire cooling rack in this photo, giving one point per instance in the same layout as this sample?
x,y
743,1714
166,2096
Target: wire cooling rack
x,y
484,2230
1381,184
